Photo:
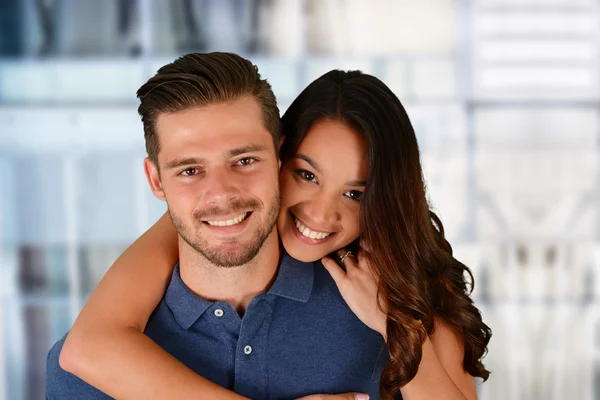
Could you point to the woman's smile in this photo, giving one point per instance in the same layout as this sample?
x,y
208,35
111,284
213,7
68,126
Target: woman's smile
x,y
321,186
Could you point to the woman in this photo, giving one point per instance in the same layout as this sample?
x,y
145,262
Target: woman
x,y
404,282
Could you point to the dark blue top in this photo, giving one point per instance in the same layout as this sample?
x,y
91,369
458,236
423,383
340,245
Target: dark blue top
x,y
299,338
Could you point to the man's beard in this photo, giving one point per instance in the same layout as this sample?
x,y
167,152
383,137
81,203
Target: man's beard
x,y
241,255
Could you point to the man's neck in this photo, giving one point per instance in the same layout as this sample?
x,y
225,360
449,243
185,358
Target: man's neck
x,y
235,285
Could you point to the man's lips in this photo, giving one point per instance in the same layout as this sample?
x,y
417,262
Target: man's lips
x,y
227,220
228,230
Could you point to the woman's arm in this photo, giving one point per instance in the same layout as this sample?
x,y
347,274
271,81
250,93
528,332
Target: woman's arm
x,y
441,374
106,346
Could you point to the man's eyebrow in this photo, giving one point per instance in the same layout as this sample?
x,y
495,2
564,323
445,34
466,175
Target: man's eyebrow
x,y
180,162
252,148
309,160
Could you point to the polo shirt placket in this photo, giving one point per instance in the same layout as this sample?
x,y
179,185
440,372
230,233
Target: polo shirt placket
x,y
251,350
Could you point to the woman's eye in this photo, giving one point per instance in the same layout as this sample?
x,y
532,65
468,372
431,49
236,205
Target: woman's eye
x,y
307,175
189,172
246,161
354,194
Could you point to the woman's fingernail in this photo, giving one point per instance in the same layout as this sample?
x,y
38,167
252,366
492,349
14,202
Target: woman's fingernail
x,y
361,396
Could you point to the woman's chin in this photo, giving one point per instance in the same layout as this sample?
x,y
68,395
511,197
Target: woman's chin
x,y
302,255
300,251
304,258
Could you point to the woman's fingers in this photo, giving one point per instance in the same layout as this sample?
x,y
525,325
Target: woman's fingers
x,y
358,286
347,258
343,396
364,261
336,272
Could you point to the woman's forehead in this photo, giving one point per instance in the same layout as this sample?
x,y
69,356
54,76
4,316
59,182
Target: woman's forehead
x,y
336,147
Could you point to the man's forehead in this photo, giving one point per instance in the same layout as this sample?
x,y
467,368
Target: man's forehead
x,y
202,126
214,146
217,117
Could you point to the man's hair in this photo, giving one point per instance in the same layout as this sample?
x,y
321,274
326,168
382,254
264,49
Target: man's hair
x,y
203,79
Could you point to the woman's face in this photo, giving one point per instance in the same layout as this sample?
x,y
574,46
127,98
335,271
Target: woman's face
x,y
321,189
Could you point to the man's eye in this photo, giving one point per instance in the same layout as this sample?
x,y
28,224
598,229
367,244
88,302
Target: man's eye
x,y
189,172
247,161
354,194
307,175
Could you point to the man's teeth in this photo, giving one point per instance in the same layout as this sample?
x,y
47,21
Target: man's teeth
x,y
229,222
310,234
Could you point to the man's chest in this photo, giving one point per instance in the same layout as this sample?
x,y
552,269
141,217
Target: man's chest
x,y
280,350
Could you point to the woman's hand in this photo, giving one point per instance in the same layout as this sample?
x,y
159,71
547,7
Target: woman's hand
x,y
441,373
358,286
345,396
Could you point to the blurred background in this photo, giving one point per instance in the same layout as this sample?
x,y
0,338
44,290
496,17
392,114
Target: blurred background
x,y
504,96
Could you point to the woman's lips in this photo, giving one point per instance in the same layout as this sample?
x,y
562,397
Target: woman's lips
x,y
304,233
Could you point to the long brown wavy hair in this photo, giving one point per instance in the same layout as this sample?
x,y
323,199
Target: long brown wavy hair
x,y
419,279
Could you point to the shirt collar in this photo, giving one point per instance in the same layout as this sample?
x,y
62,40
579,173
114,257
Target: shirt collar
x,y
294,281
185,305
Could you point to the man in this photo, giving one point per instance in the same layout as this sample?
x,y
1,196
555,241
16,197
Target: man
x,y
237,311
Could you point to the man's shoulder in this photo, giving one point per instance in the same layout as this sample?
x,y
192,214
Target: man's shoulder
x,y
63,385
327,304
324,287
327,297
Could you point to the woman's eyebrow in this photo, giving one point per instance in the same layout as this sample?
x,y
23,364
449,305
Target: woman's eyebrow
x,y
315,165
309,160
356,183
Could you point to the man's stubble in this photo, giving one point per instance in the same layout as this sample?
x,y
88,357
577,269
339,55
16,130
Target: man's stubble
x,y
244,253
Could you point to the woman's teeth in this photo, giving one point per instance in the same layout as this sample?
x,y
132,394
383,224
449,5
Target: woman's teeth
x,y
229,222
309,233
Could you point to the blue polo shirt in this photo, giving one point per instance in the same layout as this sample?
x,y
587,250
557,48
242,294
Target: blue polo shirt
x,y
296,339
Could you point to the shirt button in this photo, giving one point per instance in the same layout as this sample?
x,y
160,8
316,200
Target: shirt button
x,y
219,312
247,350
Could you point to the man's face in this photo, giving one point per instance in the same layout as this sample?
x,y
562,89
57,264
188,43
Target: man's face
x,y
219,176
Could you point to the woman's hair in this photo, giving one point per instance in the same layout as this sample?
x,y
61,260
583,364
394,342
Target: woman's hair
x,y
419,279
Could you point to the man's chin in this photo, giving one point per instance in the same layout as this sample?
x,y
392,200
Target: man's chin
x,y
230,255
229,260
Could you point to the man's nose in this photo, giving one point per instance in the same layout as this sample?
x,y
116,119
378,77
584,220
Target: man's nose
x,y
221,186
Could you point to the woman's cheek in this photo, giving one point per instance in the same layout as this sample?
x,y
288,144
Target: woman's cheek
x,y
352,225
287,187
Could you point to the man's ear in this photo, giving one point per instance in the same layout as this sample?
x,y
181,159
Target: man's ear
x,y
281,141
153,176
